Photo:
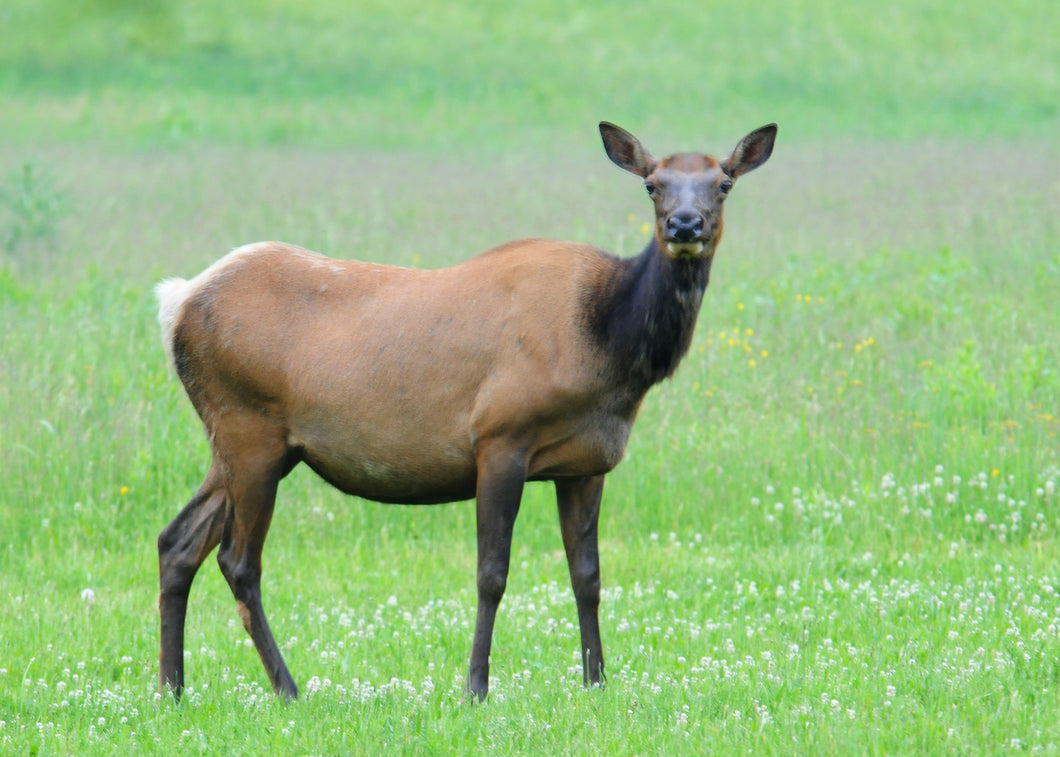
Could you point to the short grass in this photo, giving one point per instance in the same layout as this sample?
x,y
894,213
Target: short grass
x,y
836,528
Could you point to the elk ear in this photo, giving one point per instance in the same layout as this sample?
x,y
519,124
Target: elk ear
x,y
625,150
753,151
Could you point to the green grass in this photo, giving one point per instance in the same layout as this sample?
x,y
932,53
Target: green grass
x,y
405,73
836,528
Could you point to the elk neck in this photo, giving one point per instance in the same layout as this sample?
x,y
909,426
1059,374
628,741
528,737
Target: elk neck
x,y
646,313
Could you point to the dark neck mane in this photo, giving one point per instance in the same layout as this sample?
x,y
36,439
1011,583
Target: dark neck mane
x,y
648,313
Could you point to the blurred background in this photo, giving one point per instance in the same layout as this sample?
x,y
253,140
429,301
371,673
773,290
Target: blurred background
x,y
411,74
374,122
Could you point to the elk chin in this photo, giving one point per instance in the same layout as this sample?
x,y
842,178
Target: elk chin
x,y
679,250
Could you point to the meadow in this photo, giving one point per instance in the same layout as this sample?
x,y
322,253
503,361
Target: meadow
x,y
835,530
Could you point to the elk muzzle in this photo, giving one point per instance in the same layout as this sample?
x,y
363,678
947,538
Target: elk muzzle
x,y
685,235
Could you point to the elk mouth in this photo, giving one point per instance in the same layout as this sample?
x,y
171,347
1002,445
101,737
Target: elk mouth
x,y
685,249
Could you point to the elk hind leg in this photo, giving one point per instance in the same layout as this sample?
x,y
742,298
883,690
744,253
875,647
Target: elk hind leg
x,y
251,480
183,545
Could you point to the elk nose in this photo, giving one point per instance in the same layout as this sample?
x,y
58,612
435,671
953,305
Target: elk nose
x,y
685,227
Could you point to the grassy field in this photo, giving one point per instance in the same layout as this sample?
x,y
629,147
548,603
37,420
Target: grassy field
x,y
836,529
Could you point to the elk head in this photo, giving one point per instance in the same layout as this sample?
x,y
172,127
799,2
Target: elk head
x,y
688,189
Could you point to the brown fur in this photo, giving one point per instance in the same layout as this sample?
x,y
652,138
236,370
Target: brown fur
x,y
528,362
314,343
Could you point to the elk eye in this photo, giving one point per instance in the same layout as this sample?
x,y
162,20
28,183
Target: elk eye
x,y
725,186
650,187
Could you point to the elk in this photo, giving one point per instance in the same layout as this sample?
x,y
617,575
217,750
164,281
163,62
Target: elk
x,y
526,363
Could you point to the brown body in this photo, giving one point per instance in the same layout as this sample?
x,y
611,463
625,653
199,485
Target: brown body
x,y
527,362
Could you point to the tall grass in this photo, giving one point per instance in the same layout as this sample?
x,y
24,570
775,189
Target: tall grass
x,y
835,525
835,530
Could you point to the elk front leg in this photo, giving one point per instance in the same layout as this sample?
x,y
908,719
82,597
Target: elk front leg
x,y
500,488
579,513
183,545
